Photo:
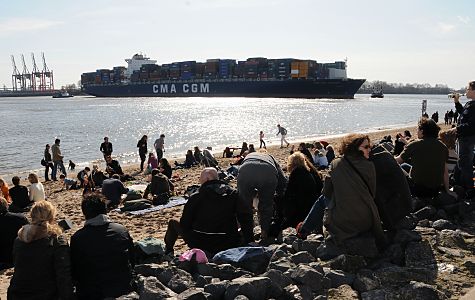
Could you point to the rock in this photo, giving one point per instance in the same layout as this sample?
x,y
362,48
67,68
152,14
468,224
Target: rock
x,y
278,278
328,250
364,245
302,257
170,272
217,289
342,292
150,288
418,290
200,280
149,269
374,295
229,272
365,281
443,224
398,275
451,252
405,236
425,213
241,297
470,266
424,223
193,294
283,264
407,222
278,254
181,282
289,239
451,239
206,269
301,292
338,277
419,254
317,266
308,276
395,254
306,245
129,296
253,288
347,263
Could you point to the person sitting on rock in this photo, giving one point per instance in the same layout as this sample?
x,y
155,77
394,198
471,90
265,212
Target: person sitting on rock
x,y
209,218
348,195
20,198
102,253
10,223
428,157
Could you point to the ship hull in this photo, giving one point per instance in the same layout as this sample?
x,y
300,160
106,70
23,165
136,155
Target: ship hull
x,y
304,88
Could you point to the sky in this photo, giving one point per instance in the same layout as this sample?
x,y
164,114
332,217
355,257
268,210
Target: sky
x,y
394,41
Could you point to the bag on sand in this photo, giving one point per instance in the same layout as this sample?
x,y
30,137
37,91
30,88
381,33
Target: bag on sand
x,y
161,199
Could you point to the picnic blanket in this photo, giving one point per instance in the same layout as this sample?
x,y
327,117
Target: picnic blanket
x,y
174,201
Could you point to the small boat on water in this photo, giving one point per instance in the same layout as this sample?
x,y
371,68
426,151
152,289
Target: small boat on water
x,y
377,92
62,94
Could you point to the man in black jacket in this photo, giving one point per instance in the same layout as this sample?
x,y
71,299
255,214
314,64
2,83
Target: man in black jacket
x,y
10,223
466,139
106,147
101,254
19,195
209,219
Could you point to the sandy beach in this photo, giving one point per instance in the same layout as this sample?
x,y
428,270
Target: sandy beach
x,y
155,224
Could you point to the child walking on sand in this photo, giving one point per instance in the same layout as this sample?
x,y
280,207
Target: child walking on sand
x,y
261,139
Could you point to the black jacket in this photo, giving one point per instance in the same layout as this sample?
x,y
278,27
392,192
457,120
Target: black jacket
x,y
42,270
466,121
10,223
106,148
102,261
20,198
302,191
209,219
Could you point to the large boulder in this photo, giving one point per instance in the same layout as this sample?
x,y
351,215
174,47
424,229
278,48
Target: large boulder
x,y
217,289
422,291
366,281
282,264
150,288
193,294
278,278
253,288
451,239
347,263
419,254
302,257
338,277
150,269
306,275
343,292
397,275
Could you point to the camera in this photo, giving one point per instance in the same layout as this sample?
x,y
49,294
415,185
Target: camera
x,y
452,95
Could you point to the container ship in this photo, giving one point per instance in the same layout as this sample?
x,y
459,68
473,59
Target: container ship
x,y
255,77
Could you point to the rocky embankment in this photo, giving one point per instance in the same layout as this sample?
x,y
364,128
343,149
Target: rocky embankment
x,y
434,260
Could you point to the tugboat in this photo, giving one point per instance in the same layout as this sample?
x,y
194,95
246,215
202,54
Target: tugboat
x,y
377,92
62,94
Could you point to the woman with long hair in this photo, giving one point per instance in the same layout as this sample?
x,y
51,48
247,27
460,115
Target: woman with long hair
x,y
49,162
142,145
165,168
41,258
5,190
37,191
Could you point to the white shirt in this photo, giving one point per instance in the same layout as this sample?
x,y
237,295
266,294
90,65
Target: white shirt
x,y
37,192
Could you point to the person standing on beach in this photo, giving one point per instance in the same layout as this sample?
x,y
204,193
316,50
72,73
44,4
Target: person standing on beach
x,y
142,145
466,139
49,162
261,140
57,160
106,147
283,133
159,146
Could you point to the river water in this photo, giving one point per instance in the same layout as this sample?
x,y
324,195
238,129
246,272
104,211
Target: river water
x,y
29,123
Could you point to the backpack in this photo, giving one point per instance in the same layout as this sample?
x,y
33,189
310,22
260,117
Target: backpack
x,y
283,131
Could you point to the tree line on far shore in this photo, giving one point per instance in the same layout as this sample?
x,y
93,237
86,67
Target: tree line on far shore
x,y
405,88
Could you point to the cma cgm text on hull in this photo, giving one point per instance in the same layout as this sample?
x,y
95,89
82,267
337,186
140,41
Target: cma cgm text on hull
x,y
255,77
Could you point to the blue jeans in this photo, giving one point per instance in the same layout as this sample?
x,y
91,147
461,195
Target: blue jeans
x,y
314,219
464,171
56,164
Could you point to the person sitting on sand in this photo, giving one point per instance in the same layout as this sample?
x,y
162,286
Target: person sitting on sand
x,y
159,184
68,183
330,153
20,198
251,148
36,189
10,223
303,149
113,167
209,218
82,174
41,258
112,189
428,157
189,161
244,148
197,154
5,190
228,153
97,176
152,163
165,168
102,255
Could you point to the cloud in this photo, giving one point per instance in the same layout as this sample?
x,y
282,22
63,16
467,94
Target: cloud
x,y
445,27
17,25
464,20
